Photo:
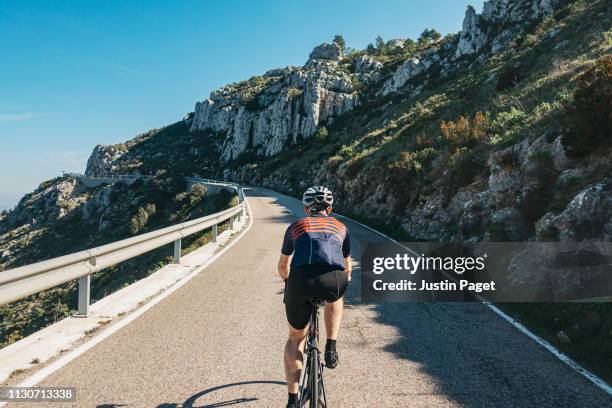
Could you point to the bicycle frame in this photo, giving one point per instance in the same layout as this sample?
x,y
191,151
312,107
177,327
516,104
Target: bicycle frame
x,y
312,390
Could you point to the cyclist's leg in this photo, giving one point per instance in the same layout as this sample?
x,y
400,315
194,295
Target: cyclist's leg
x,y
333,317
337,281
294,355
298,309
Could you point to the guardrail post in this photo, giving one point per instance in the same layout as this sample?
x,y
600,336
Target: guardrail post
x,y
215,232
231,222
177,251
84,295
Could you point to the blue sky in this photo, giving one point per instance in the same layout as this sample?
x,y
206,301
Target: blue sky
x,y
80,73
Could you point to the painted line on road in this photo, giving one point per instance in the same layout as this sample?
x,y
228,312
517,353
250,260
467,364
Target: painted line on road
x,y
593,378
44,372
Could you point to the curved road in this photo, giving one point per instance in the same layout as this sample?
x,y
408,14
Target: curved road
x,y
217,341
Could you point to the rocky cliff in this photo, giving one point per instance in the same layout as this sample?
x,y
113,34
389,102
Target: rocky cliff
x,y
374,121
270,112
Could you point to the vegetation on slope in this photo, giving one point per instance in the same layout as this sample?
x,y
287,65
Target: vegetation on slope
x,y
133,209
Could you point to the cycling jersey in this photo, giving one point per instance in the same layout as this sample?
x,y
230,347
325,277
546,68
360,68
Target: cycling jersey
x,y
319,242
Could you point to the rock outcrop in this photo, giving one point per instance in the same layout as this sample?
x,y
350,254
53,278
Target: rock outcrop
x,y
266,117
102,159
325,51
587,216
367,69
471,37
500,22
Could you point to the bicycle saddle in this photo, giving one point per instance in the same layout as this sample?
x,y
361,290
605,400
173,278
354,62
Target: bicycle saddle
x,y
317,301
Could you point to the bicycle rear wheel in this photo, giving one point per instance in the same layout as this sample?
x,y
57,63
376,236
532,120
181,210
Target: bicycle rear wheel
x,y
313,378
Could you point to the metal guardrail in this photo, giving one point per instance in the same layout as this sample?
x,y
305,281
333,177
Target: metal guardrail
x,y
26,280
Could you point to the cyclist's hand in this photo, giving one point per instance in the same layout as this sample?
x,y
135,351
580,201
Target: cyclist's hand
x,y
349,276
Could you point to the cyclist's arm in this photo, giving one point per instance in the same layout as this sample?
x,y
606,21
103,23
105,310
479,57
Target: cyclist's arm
x,y
283,266
286,251
348,267
346,252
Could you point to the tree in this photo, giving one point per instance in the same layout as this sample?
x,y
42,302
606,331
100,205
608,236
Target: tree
x,y
428,35
370,49
380,43
138,221
410,45
339,40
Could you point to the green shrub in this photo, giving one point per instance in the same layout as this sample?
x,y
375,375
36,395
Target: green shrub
x,y
508,78
346,151
590,114
180,197
504,121
138,221
198,192
322,135
465,164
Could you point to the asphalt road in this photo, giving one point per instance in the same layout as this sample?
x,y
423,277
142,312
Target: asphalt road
x,y
218,341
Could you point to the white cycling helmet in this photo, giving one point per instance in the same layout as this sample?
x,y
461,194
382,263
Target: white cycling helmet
x,y
318,197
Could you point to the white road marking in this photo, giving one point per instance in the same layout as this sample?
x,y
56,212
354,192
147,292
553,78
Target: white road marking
x,y
552,349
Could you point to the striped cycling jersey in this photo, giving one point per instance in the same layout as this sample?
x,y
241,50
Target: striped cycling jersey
x,y
317,241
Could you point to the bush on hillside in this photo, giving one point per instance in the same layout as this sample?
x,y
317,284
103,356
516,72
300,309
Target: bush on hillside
x,y
591,111
322,134
465,164
138,221
508,78
198,192
464,131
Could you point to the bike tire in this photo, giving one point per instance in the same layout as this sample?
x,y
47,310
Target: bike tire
x,y
314,378
304,382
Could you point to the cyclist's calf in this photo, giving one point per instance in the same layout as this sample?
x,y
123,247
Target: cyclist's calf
x,y
294,354
333,317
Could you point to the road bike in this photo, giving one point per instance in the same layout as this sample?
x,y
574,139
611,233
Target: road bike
x,y
312,391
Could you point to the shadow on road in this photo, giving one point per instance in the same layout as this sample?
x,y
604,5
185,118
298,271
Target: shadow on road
x,y
474,357
191,401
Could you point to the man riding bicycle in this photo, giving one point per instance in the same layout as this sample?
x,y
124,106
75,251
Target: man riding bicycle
x,y
320,268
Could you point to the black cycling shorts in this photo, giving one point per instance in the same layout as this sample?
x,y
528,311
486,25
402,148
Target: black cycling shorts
x,y
304,285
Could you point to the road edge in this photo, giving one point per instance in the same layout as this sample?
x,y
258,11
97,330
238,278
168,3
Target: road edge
x,y
46,371
593,378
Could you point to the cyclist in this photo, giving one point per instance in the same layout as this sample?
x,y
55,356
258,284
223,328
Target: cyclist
x,y
320,268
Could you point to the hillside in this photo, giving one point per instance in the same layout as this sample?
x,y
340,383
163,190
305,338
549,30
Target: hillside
x,y
470,131
500,132
63,216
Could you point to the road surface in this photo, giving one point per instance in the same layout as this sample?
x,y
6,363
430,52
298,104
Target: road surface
x,y
218,341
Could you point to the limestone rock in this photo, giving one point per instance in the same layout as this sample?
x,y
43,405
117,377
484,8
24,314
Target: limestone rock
x,y
472,38
584,217
404,73
287,109
365,63
326,51
101,161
